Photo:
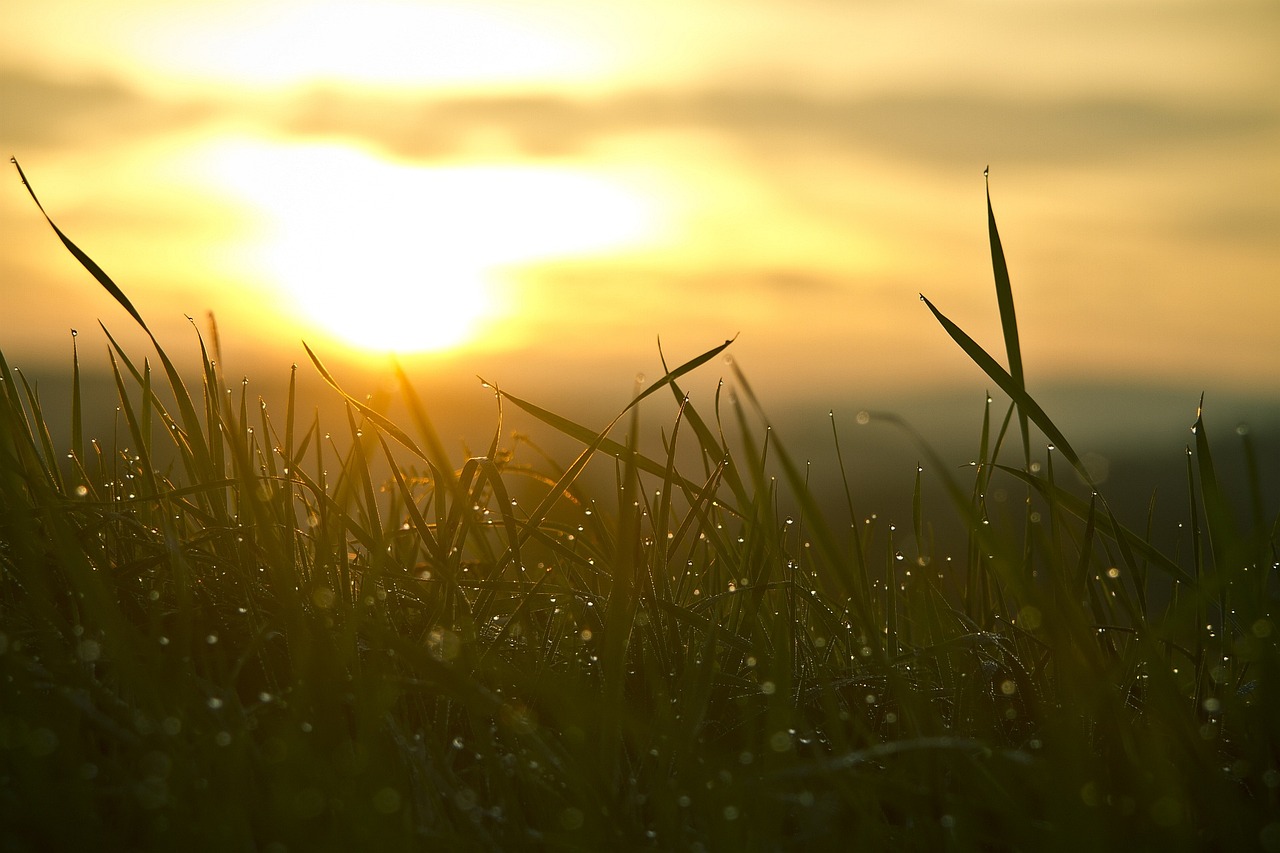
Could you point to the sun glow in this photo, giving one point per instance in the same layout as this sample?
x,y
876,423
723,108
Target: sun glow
x,y
383,43
392,257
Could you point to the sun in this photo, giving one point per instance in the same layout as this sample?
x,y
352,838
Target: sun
x,y
397,257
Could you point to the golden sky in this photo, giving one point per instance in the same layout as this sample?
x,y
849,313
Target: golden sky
x,y
536,191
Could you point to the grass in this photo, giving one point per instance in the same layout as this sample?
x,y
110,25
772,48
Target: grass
x,y
230,630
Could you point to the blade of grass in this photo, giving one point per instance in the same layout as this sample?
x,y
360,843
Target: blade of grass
x,y
80,256
1107,524
383,423
77,413
438,456
1011,387
1008,319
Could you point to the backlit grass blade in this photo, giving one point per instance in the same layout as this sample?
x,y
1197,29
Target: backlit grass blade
x,y
659,585
1222,533
85,261
1011,387
600,441
435,448
39,426
1008,319
595,441
77,414
135,429
381,420
425,533
715,450
859,556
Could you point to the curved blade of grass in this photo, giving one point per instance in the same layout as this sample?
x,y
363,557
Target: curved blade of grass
x,y
85,261
382,421
191,421
600,441
40,428
77,417
714,449
418,412
425,533
1008,319
1010,386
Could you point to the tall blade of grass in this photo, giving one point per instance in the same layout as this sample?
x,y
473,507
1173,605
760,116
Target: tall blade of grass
x,y
1257,511
859,555
622,601
1224,541
359,468
1008,319
659,581
1082,585
1011,387
700,504
668,378
1222,532
191,421
487,472
40,428
213,455
600,441
595,441
135,429
497,430
16,438
436,452
424,531
891,600
80,256
917,517
713,449
77,414
144,417
383,423
289,412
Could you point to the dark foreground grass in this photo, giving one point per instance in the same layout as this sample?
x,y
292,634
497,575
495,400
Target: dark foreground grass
x,y
229,631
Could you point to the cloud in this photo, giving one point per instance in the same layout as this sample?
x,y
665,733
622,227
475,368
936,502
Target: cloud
x,y
941,128
42,112
933,129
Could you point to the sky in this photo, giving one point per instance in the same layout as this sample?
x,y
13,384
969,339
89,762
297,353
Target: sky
x,y
539,192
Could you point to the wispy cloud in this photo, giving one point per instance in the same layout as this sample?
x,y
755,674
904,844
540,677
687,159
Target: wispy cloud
x,y
47,112
946,127
938,128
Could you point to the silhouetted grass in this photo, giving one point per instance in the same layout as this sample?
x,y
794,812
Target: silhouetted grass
x,y
228,630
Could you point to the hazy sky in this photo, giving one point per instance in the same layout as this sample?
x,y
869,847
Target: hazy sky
x,y
543,188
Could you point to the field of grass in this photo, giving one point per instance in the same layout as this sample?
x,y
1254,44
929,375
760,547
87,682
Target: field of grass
x,y
232,627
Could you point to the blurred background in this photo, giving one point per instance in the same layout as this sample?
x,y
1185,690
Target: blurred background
x,y
537,192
